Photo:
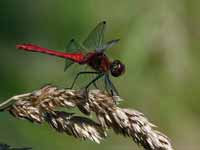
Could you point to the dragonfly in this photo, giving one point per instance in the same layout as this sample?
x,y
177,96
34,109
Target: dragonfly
x,y
90,52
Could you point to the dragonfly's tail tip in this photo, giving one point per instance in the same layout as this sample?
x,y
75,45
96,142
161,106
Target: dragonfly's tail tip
x,y
20,46
25,46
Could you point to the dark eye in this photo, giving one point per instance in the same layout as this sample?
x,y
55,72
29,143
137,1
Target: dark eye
x,y
117,68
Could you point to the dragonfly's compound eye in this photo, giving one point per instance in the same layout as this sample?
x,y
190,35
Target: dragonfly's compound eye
x,y
117,68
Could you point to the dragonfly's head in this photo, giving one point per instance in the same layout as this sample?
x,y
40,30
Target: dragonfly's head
x,y
117,68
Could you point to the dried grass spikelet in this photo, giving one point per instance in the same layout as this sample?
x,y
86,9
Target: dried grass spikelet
x,y
79,127
36,105
127,122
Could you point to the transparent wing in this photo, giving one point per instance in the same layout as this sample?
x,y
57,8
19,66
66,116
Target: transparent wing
x,y
96,37
72,46
107,45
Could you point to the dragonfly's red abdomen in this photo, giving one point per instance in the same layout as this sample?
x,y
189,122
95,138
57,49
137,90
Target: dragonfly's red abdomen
x,y
76,57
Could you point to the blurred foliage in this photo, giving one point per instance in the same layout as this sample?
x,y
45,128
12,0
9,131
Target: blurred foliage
x,y
159,45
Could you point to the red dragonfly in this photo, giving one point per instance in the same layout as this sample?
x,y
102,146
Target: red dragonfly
x,y
95,58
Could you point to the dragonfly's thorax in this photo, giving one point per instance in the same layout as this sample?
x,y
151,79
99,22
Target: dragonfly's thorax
x,y
98,61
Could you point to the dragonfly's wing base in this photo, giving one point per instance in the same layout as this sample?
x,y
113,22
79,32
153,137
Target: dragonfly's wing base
x,y
72,46
68,63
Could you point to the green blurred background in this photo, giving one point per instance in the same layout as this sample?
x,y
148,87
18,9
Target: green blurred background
x,y
159,45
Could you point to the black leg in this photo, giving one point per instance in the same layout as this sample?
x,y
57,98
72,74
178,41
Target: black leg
x,y
81,73
113,90
95,85
91,82
94,80
106,84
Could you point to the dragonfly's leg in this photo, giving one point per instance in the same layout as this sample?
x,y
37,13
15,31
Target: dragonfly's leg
x,y
106,84
113,90
94,80
81,73
95,85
